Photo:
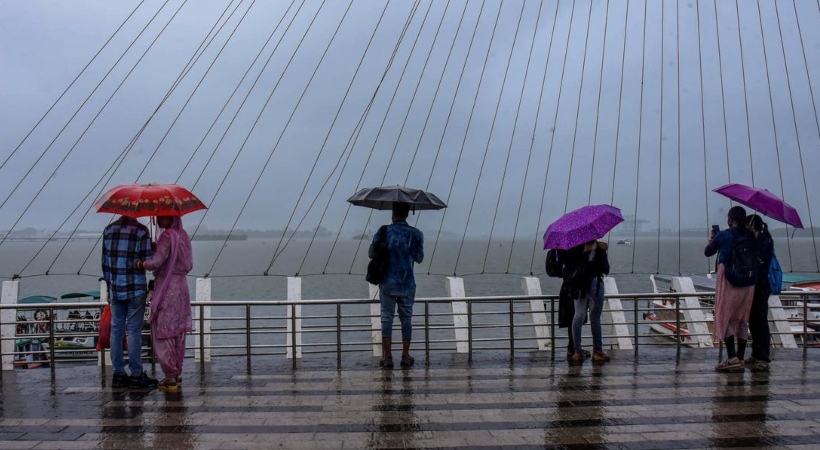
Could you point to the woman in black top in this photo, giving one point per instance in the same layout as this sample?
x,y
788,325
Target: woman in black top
x,y
759,314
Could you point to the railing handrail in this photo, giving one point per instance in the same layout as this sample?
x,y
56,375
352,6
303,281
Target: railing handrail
x,y
333,301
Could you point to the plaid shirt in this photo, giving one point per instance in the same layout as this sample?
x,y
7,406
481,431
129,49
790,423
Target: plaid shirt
x,y
124,242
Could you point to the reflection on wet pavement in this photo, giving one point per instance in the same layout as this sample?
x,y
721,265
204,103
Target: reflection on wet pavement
x,y
532,402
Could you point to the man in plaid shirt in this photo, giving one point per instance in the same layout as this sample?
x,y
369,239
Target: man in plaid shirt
x,y
126,241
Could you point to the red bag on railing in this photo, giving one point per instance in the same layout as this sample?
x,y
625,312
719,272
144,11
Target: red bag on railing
x,y
104,340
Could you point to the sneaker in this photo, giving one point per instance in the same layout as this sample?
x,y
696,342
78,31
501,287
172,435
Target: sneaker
x,y
387,363
119,381
586,353
142,382
600,355
407,361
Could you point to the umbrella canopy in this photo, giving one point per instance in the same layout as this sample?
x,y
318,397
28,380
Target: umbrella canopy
x,y
383,198
582,225
763,202
153,199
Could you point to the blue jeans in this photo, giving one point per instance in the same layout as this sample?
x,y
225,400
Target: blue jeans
x,y
405,306
594,300
127,315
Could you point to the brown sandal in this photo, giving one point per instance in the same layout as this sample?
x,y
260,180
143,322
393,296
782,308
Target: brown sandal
x,y
168,385
730,365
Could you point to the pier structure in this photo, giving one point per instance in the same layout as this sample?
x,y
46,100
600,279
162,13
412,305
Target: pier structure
x,y
293,328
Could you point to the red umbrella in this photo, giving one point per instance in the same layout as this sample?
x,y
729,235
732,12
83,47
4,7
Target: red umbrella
x,y
153,199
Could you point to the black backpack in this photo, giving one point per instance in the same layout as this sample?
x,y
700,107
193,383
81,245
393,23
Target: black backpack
x,y
377,267
554,265
742,264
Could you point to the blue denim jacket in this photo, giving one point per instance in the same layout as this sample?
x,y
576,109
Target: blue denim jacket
x,y
406,245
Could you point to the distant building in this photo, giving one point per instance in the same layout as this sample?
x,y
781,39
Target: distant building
x,y
630,225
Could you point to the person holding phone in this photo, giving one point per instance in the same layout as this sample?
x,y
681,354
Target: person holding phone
x,y
732,303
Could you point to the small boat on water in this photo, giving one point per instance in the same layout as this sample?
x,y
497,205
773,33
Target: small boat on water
x,y
31,332
661,314
794,308
624,242
75,331
665,320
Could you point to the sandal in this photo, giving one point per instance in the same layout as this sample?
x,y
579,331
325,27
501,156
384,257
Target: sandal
x,y
169,385
730,365
760,366
750,360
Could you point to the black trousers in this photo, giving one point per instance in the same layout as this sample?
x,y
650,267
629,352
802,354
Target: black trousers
x,y
759,325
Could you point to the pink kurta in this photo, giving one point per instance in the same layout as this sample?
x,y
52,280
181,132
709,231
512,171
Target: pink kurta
x,y
732,307
171,302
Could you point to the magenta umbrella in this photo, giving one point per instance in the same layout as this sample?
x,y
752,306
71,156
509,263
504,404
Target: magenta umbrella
x,y
763,202
582,225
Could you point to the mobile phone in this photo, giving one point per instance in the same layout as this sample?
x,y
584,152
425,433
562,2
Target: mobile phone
x,y
715,229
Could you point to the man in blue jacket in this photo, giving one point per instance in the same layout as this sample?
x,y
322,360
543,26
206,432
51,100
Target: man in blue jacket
x,y
398,288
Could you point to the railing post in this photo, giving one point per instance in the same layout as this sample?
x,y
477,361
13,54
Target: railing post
x,y
532,286
294,295
693,312
202,339
375,320
104,357
782,330
617,317
52,358
455,289
248,347
805,326
7,326
637,334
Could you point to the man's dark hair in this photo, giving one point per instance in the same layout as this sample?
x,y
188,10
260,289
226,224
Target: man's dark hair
x,y
738,215
401,210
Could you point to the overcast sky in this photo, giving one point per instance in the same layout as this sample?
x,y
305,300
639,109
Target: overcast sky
x,y
468,126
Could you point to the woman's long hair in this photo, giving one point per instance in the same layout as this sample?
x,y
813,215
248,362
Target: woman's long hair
x,y
756,223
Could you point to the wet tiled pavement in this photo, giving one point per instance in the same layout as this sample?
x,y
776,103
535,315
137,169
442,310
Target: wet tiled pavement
x,y
530,402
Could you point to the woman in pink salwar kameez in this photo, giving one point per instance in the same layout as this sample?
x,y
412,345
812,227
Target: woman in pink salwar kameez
x,y
171,303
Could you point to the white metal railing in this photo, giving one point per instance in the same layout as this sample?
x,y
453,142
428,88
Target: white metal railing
x,y
295,328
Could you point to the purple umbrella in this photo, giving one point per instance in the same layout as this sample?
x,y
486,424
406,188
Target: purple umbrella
x,y
763,202
582,225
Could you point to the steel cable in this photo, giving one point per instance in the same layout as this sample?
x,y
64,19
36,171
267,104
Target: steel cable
x,y
60,97
794,116
552,138
42,188
466,133
489,139
389,65
532,139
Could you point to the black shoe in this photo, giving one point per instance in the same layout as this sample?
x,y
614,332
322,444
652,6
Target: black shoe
x,y
387,363
120,380
142,382
407,361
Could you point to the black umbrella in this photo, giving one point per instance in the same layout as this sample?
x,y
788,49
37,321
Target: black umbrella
x,y
383,198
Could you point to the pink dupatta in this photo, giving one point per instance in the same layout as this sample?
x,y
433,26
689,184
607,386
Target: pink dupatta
x,y
180,261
